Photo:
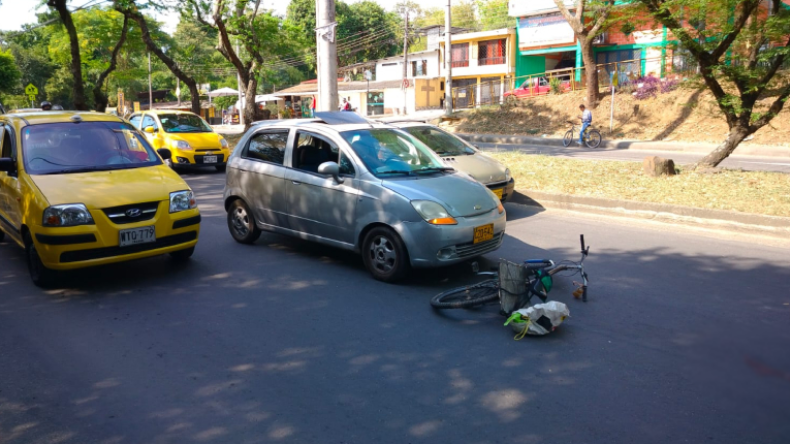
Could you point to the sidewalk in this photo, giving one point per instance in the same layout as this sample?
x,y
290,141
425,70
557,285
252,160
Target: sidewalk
x,y
699,148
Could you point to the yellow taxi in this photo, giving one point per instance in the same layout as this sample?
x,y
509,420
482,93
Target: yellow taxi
x,y
190,139
84,189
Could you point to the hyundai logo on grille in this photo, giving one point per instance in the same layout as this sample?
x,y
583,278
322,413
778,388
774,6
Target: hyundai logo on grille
x,y
133,212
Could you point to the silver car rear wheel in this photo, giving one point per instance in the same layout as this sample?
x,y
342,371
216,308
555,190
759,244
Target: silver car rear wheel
x,y
384,255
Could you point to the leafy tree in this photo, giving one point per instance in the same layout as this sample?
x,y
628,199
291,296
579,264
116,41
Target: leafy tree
x,y
262,37
130,9
493,15
9,72
75,65
587,22
740,52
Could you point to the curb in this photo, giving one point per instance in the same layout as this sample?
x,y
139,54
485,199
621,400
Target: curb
x,y
723,219
701,148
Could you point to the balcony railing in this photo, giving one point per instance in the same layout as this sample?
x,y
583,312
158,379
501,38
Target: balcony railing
x,y
491,61
460,63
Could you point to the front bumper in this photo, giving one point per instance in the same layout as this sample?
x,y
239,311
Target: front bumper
x,y
195,159
439,245
506,187
66,248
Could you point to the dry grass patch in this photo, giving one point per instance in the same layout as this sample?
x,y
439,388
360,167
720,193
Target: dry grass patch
x,y
745,191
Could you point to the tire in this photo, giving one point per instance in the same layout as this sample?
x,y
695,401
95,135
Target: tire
x,y
41,276
183,255
468,296
385,255
221,168
566,141
593,139
241,223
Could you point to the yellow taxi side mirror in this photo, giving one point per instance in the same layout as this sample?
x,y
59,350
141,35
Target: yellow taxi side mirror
x,y
149,129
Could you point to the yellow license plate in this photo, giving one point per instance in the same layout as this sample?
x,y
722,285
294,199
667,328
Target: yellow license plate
x,y
484,233
499,192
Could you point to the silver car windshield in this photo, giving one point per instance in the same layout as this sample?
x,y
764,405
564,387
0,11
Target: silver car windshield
x,y
439,141
387,152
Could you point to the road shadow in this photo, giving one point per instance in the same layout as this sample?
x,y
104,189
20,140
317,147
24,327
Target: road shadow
x,y
688,108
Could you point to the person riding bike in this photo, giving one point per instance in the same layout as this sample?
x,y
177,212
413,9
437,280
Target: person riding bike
x,y
586,121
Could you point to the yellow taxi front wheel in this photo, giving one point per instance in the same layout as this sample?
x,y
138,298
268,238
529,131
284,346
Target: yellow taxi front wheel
x,y
40,275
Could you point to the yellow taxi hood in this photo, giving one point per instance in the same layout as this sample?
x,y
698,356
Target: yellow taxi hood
x,y
198,140
103,189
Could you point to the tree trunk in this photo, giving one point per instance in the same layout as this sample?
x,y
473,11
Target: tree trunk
x,y
100,98
135,15
251,112
734,138
590,71
76,61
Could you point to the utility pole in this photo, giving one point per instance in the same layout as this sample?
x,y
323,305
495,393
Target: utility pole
x,y
150,90
405,83
448,62
238,84
326,55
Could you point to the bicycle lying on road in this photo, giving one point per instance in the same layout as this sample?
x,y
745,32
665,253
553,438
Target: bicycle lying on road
x,y
537,282
592,137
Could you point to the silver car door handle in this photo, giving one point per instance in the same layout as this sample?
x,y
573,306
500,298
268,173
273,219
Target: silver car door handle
x,y
295,182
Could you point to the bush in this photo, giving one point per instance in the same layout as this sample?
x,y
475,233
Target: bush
x,y
669,85
647,87
555,85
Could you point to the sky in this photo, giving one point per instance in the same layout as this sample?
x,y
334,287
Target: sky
x,y
15,13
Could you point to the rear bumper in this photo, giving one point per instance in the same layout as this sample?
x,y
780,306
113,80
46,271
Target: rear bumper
x,y
69,248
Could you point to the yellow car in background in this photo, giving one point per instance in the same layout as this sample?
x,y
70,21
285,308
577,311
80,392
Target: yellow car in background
x,y
188,137
84,189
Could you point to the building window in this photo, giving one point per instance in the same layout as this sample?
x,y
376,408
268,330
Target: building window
x,y
460,55
419,68
491,52
626,61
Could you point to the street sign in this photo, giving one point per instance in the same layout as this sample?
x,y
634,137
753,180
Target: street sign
x,y
121,106
31,97
31,90
136,107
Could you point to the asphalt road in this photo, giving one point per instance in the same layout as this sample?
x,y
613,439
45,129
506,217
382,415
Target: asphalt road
x,y
685,339
749,163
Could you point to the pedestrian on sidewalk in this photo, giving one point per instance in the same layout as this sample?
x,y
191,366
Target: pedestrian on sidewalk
x,y
586,121
312,107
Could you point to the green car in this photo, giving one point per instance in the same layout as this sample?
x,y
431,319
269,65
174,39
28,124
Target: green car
x,y
459,154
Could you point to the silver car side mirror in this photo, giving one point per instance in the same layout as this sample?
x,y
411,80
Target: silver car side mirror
x,y
331,169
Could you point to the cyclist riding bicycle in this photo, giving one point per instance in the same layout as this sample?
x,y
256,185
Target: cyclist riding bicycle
x,y
586,121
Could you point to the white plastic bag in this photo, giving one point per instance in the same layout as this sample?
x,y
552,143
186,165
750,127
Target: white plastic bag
x,y
539,319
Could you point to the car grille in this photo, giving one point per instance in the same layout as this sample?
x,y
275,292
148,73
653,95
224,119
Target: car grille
x,y
471,249
495,186
220,158
120,215
100,253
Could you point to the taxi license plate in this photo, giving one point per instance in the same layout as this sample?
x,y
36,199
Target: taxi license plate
x,y
209,159
499,192
134,236
484,233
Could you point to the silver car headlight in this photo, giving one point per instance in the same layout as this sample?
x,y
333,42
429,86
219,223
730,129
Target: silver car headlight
x,y
433,213
180,145
67,215
507,175
182,201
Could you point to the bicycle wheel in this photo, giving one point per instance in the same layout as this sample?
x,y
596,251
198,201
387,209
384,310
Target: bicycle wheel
x,y
468,296
568,138
593,139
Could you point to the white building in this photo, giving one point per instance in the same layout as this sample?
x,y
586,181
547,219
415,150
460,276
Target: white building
x,y
423,64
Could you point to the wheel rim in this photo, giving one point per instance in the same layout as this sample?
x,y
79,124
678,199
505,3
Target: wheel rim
x,y
568,137
241,222
594,140
382,254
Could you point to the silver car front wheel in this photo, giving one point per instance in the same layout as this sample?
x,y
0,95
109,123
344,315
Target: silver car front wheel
x,y
385,255
241,223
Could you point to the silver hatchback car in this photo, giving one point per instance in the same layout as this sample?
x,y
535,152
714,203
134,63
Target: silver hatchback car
x,y
371,188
